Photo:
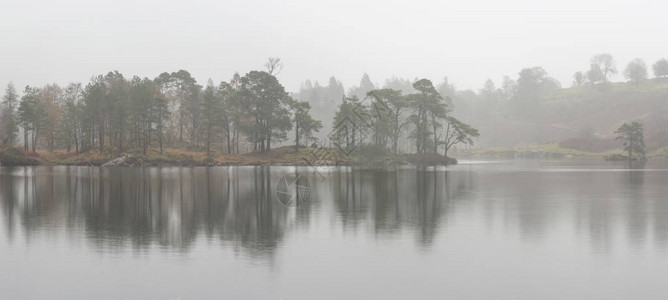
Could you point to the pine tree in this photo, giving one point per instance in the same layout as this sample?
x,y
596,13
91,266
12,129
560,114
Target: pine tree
x,y
9,124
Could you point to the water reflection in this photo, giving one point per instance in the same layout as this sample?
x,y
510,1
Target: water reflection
x,y
116,207
416,198
174,207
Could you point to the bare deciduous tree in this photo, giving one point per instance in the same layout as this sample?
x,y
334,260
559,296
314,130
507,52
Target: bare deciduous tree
x,y
274,65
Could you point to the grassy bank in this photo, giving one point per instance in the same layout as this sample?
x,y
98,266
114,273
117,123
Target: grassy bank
x,y
15,156
551,150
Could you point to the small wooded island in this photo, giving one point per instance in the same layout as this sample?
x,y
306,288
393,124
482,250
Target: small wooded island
x,y
172,120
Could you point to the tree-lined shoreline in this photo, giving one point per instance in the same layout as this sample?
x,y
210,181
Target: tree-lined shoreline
x,y
253,113
229,122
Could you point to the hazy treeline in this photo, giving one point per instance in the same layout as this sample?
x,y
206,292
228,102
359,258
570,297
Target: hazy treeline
x,y
423,116
324,97
253,112
113,112
603,66
516,109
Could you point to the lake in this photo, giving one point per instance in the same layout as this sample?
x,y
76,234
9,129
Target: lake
x,y
477,230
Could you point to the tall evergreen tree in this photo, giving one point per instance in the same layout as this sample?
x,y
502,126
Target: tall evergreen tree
x,y
71,125
263,100
212,115
390,108
304,124
185,91
428,106
31,117
9,127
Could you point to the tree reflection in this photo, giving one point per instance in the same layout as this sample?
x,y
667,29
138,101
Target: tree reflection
x,y
170,207
173,208
394,199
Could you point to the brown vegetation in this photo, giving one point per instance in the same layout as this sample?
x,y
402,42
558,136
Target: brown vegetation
x,y
14,156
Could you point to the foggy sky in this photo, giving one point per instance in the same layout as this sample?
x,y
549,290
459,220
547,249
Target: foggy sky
x,y
44,41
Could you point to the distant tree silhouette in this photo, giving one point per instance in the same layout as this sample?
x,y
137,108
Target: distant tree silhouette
x,y
633,138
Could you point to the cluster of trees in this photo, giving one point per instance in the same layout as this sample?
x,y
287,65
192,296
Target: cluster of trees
x,y
422,116
603,66
116,113
521,96
8,122
534,83
511,101
334,91
113,113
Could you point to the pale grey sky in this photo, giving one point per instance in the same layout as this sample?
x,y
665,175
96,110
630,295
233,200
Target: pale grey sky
x,y
44,41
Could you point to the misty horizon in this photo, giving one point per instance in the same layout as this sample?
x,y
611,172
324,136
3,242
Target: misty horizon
x,y
466,42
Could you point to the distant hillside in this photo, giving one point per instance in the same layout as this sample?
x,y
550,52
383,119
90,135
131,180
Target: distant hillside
x,y
577,116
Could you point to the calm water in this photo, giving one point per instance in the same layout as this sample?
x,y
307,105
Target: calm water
x,y
479,230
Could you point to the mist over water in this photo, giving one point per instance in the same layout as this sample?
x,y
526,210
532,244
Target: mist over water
x,y
475,230
300,149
